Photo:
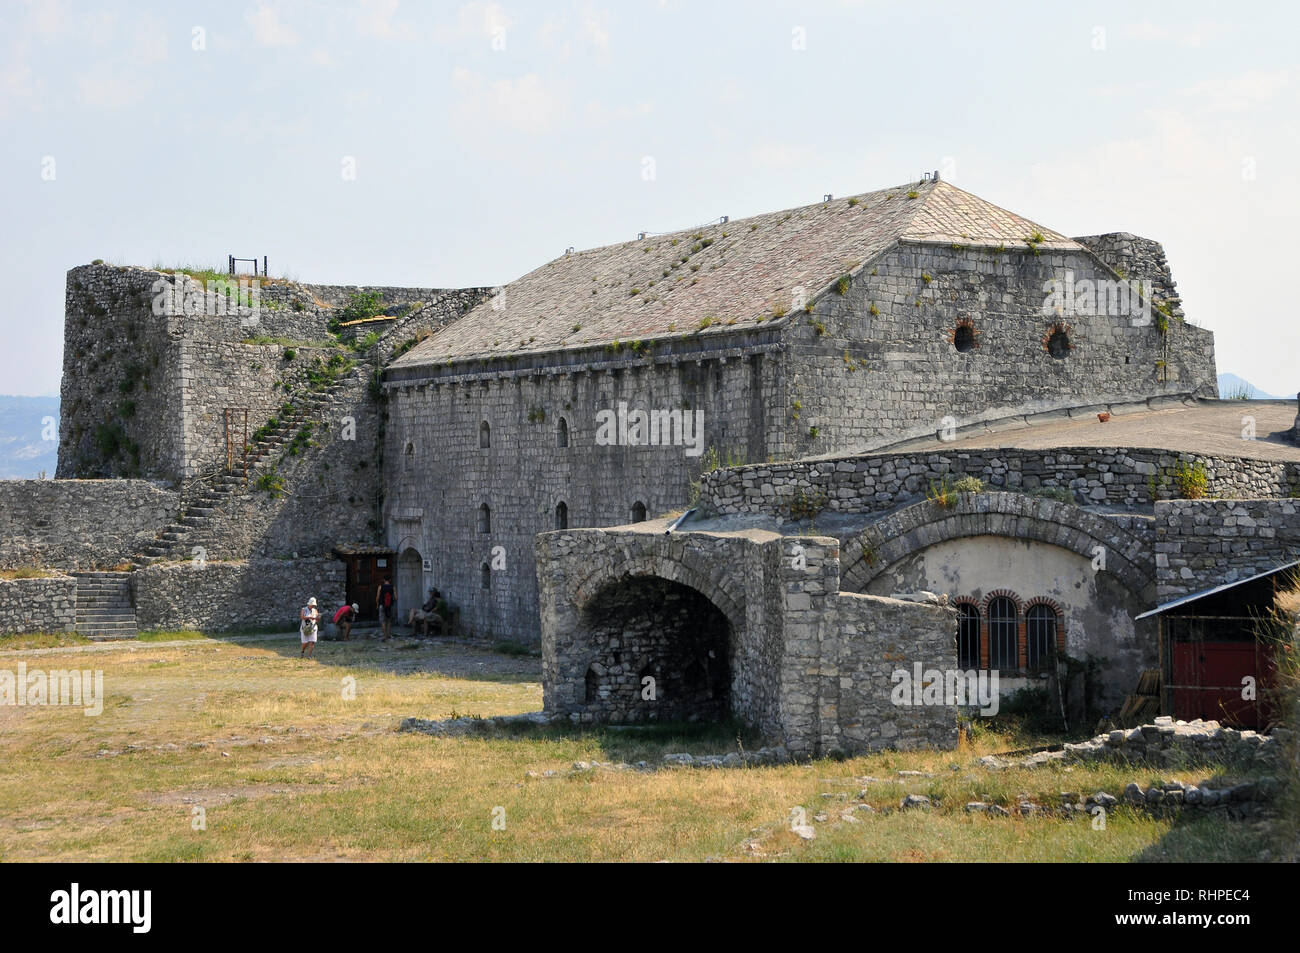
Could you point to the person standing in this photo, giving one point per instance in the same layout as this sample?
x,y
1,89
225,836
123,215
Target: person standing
x,y
386,600
345,617
308,618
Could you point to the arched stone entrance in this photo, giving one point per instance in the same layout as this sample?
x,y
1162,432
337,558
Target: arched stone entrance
x,y
658,651
410,582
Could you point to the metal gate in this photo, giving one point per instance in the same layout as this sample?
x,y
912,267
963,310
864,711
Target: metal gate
x,y
237,441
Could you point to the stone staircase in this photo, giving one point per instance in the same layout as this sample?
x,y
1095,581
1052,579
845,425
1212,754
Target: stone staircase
x,y
105,608
199,508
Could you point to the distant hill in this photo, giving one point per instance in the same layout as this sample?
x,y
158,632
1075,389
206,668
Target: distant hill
x,y
1230,385
23,452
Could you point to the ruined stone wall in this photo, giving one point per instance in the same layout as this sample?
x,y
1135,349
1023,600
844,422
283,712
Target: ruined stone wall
x,y
219,596
1138,259
38,605
260,379
882,360
437,476
431,317
877,637
810,666
1206,543
79,524
120,396
1092,475
143,392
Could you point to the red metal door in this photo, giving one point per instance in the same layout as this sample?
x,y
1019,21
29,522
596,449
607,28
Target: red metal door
x,y
1209,681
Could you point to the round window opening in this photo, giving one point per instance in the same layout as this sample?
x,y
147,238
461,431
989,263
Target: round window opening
x,y
1058,345
964,338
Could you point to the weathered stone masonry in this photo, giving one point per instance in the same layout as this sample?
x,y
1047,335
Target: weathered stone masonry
x,y
38,605
806,664
1112,476
1205,543
79,524
438,475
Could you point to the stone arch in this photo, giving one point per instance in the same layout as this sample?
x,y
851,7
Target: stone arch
x,y
1002,594
1014,515
652,649
685,571
409,581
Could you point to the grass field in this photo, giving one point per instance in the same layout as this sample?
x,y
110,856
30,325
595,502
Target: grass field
x,y
284,767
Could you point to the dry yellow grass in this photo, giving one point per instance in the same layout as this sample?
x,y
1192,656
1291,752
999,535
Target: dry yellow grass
x,y
283,766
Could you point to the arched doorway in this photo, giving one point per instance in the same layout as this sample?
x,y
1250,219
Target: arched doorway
x,y
410,582
658,651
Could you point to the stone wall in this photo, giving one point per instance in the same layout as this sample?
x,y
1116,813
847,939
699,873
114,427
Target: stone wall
x,y
143,392
883,361
808,665
1138,259
878,482
437,476
120,397
79,524
219,596
331,490
38,605
1205,543
429,318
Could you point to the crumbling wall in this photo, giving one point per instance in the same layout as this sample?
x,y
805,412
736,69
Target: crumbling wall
x,y
1138,259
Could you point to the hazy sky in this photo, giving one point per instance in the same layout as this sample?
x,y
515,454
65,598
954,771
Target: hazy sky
x,y
487,137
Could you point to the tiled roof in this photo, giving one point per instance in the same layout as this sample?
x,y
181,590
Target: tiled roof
x,y
722,276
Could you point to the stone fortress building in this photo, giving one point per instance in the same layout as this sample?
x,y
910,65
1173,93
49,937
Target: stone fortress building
x,y
708,458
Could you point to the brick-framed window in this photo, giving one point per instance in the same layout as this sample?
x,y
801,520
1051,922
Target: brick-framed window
x,y
562,433
484,518
484,435
965,337
1044,621
968,634
1002,645
561,515
638,512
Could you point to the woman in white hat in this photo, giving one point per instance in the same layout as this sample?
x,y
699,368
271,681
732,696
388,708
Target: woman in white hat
x,y
308,618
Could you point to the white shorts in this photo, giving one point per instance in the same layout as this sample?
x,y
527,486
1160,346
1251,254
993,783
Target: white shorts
x,y
307,636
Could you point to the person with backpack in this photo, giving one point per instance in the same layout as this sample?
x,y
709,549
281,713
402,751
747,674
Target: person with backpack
x,y
308,617
386,600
